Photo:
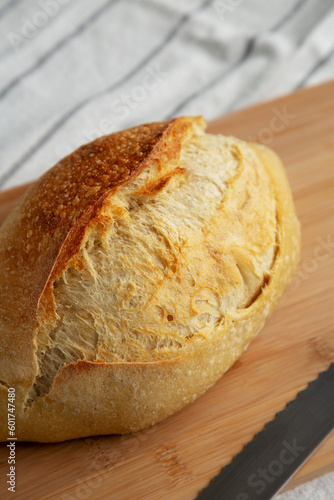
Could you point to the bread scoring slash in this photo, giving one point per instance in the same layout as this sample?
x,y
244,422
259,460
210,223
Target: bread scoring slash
x,y
134,273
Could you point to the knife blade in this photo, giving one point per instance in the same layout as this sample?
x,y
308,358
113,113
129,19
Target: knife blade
x,y
276,453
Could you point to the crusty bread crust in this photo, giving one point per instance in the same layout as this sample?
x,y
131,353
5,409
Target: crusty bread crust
x,y
109,387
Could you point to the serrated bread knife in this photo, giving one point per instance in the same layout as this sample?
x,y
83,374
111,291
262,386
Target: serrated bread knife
x,y
276,453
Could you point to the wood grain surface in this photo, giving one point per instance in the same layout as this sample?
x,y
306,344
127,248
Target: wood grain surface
x,y
177,457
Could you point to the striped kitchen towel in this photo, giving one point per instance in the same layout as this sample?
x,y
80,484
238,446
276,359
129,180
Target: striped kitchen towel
x,y
73,70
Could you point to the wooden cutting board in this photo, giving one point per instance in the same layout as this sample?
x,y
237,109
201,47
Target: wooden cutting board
x,y
177,457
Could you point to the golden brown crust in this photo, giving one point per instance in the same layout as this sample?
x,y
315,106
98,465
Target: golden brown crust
x,y
45,232
56,210
46,229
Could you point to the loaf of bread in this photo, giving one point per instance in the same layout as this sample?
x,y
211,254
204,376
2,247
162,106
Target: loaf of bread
x,y
134,273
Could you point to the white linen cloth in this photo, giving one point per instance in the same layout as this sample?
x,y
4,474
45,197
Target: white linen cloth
x,y
71,70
